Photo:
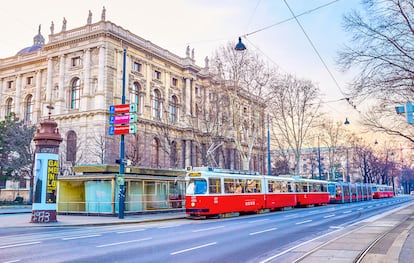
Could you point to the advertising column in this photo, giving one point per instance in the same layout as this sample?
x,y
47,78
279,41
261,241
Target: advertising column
x,y
46,170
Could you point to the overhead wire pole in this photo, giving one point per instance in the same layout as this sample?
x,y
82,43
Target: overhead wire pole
x,y
122,147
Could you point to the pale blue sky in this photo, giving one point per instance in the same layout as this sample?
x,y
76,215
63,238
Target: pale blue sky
x,y
204,25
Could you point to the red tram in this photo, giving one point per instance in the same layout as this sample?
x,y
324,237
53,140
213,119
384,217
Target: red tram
x,y
220,192
382,191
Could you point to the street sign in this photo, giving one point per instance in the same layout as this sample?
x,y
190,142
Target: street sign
x,y
123,119
120,179
123,108
124,129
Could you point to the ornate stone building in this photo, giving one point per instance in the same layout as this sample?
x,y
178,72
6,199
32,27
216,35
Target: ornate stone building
x,y
79,72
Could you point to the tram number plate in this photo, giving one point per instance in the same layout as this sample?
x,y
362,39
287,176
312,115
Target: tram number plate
x,y
249,202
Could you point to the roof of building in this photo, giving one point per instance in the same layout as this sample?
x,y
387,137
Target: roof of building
x,y
38,42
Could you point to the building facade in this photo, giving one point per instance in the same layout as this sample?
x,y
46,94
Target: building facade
x,y
79,72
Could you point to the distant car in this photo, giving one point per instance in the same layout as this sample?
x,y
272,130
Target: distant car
x,y
412,193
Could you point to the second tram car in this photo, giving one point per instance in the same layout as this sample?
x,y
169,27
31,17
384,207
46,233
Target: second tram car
x,y
219,192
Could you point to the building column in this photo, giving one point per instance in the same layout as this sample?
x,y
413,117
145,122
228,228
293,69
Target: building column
x,y
187,153
3,100
37,102
18,94
100,92
86,80
188,97
147,100
61,98
49,82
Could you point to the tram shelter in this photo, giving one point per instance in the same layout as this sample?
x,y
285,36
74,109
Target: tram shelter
x,y
94,190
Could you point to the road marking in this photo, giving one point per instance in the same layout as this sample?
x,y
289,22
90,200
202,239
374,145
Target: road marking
x,y
259,220
328,216
20,244
193,248
360,208
263,231
129,231
125,242
12,261
207,229
79,237
162,227
336,227
347,212
303,222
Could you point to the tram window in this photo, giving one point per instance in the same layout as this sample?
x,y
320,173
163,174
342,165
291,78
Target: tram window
x,y
197,187
214,185
277,187
290,187
229,185
312,188
270,186
304,187
239,187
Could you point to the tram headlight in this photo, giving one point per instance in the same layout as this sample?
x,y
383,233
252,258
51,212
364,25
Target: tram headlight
x,y
192,204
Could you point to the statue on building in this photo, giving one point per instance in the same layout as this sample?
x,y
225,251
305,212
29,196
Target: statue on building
x,y
89,21
64,25
52,28
103,14
206,62
187,52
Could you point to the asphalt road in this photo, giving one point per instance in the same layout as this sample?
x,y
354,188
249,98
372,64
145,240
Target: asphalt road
x,y
250,238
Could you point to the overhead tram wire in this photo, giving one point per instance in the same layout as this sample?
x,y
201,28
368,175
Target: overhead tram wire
x,y
320,57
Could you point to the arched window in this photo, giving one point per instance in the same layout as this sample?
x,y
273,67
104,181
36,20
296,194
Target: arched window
x,y
173,109
155,152
134,93
75,94
9,106
28,108
71,141
157,105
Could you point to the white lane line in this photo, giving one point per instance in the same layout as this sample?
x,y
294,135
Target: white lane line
x,y
125,242
193,248
130,231
370,206
259,220
263,231
347,212
207,229
303,222
12,261
360,209
79,237
162,227
328,216
336,227
20,244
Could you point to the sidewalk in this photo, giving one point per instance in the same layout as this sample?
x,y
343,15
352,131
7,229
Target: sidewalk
x,y
19,216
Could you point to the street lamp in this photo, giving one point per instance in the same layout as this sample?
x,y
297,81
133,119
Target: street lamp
x,y
240,46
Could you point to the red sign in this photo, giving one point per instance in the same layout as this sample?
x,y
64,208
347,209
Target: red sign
x,y
127,129
122,108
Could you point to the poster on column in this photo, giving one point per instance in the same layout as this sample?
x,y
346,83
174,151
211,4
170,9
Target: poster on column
x,y
52,175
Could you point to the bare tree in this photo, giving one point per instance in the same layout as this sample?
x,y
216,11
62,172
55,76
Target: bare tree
x,y
381,50
245,79
294,108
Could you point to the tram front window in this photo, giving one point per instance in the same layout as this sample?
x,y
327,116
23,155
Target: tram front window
x,y
197,187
